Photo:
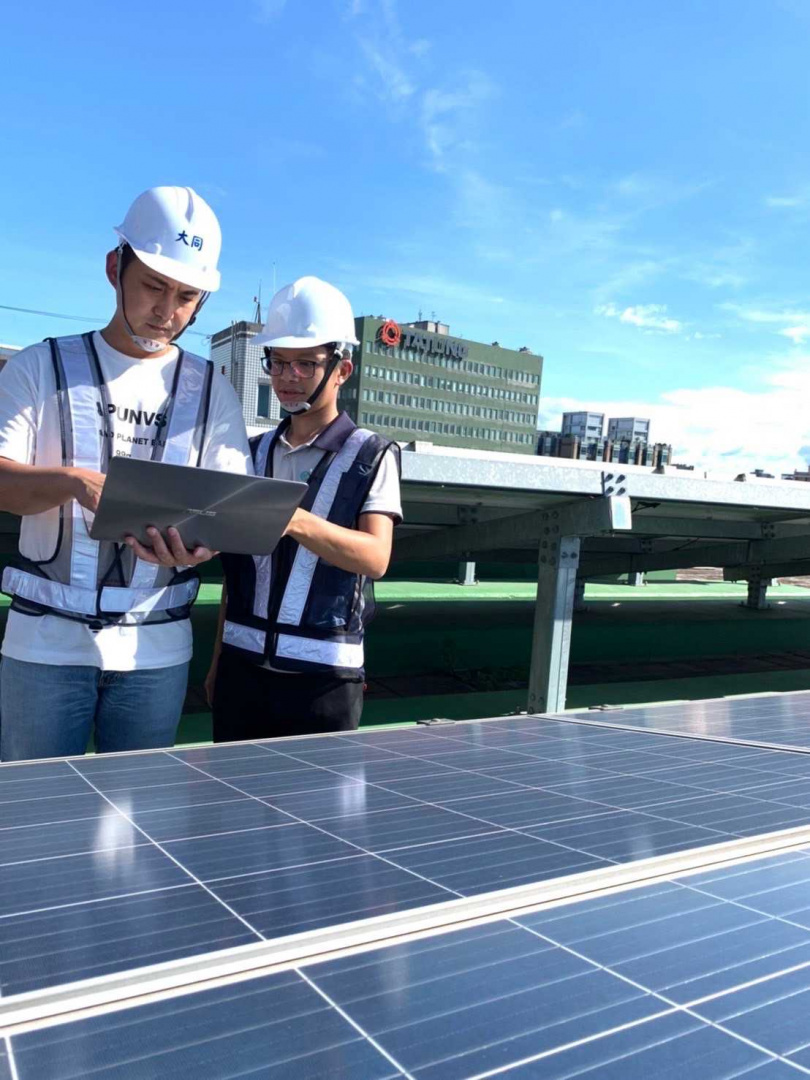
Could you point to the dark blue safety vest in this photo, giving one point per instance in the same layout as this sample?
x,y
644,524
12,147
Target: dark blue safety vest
x,y
292,610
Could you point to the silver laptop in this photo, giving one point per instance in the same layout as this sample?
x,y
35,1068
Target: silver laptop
x,y
246,515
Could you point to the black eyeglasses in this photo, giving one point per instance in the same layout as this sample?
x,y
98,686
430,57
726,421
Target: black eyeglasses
x,y
304,369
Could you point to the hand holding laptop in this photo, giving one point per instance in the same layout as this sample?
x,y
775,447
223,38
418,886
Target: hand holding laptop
x,y
171,551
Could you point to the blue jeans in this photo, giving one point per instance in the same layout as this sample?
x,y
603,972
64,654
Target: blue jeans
x,y
50,710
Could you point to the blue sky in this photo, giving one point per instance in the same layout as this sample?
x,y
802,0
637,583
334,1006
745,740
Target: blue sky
x,y
621,185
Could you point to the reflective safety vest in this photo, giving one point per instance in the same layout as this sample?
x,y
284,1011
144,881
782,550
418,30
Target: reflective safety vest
x,y
103,584
291,610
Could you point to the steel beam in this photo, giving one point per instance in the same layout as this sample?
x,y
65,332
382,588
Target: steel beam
x,y
734,553
773,570
558,561
553,613
577,517
757,598
660,525
466,573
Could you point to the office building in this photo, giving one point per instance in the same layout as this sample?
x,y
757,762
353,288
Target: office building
x,y
629,429
583,425
241,362
414,382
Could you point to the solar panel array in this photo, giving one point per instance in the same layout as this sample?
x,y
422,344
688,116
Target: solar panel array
x,y
763,719
112,865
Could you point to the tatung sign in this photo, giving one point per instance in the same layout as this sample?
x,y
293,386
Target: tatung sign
x,y
392,334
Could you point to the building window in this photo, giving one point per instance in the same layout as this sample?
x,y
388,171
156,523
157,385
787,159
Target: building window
x,y
263,404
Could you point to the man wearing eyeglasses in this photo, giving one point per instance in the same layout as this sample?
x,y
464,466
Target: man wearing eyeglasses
x,y
289,653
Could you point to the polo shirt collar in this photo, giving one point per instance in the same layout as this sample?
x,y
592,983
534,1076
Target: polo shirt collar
x,y
331,439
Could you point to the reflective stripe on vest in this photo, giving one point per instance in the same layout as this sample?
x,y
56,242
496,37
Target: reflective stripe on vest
x,y
244,637
341,654
303,569
263,563
179,447
85,449
113,599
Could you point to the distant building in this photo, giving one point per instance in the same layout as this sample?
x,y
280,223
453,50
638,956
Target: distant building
x,y
241,362
584,425
621,452
626,443
413,381
629,429
6,353
798,474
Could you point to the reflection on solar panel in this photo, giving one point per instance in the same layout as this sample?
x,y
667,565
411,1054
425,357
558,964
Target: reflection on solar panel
x,y
398,904
781,720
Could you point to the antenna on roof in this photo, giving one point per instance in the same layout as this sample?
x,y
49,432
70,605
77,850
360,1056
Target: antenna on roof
x,y
420,314
257,300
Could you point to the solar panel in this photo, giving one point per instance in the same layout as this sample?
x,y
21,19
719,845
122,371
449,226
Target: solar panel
x,y
693,974
112,865
778,720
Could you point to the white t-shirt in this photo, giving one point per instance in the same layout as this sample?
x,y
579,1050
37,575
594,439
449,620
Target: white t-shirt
x,y
299,462
30,434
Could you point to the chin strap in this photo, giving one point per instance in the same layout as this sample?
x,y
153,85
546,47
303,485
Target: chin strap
x,y
149,345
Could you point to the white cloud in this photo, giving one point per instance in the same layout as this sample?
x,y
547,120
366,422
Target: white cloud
x,y
788,202
431,286
798,328
649,191
393,82
420,47
721,428
797,334
442,113
645,316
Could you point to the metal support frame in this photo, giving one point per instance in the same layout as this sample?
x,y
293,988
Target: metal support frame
x,y
558,562
466,573
757,599
553,611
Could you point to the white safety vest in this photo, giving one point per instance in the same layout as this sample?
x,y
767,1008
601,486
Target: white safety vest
x,y
73,581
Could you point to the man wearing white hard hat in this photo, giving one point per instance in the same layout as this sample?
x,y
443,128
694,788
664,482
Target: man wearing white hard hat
x,y
289,654
98,639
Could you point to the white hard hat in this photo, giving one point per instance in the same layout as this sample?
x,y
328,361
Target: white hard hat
x,y
308,312
176,233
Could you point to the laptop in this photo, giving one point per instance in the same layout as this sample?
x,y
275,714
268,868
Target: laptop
x,y
245,515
